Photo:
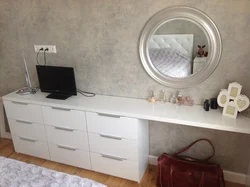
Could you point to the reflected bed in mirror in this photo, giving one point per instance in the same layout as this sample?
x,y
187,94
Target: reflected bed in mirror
x,y
172,54
173,48
180,47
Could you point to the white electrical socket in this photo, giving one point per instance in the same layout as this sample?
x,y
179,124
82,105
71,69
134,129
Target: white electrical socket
x,y
51,48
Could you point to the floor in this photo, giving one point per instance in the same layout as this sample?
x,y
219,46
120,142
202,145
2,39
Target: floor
x,y
149,179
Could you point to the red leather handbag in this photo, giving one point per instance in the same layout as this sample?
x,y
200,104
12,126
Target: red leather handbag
x,y
177,171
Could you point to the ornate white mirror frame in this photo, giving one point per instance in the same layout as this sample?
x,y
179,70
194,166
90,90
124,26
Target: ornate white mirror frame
x,y
195,16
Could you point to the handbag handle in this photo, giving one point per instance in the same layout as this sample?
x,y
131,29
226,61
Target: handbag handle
x,y
189,146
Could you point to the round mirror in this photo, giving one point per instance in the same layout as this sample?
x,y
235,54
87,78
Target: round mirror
x,y
180,47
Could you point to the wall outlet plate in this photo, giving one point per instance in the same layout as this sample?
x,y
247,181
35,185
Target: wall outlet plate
x,y
52,48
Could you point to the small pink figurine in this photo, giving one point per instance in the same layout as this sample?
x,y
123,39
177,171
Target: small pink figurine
x,y
188,101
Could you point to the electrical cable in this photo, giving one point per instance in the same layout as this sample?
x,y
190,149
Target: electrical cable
x,y
38,55
86,94
44,56
34,90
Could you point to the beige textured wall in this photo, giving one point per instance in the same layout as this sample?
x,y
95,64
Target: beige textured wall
x,y
100,39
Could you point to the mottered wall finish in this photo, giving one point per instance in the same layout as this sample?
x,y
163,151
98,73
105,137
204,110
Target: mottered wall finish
x,y
100,40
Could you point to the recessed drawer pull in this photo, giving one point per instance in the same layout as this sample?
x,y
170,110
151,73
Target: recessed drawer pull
x,y
21,121
67,148
28,139
109,115
64,129
58,108
111,137
19,103
113,157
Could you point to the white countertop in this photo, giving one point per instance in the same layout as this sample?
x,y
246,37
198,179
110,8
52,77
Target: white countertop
x,y
142,109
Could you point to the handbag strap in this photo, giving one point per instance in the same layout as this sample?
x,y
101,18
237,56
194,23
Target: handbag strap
x,y
189,146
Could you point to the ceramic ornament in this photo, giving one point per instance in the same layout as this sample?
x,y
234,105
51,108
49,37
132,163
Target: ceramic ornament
x,y
232,101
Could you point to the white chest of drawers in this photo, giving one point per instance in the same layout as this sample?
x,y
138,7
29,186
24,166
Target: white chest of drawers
x,y
105,143
118,145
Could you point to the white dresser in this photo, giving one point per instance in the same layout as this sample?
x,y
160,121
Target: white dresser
x,y
106,143
106,134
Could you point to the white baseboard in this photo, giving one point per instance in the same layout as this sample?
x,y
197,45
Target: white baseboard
x,y
6,135
230,176
152,160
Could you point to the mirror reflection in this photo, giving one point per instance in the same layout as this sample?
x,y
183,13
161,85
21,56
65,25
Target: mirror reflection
x,y
178,48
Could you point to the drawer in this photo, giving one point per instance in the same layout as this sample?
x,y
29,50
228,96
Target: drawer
x,y
67,155
114,125
62,117
114,166
125,148
72,138
23,111
27,129
31,147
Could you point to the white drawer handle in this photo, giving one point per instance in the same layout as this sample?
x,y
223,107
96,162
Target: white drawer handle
x,y
64,129
28,139
19,103
109,115
112,157
111,137
58,108
67,148
21,121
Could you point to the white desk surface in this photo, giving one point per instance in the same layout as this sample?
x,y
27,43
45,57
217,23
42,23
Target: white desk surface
x,y
138,108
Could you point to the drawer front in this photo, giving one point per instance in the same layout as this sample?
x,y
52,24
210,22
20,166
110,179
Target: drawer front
x,y
121,168
66,155
27,129
125,148
23,111
31,147
61,117
72,138
114,125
